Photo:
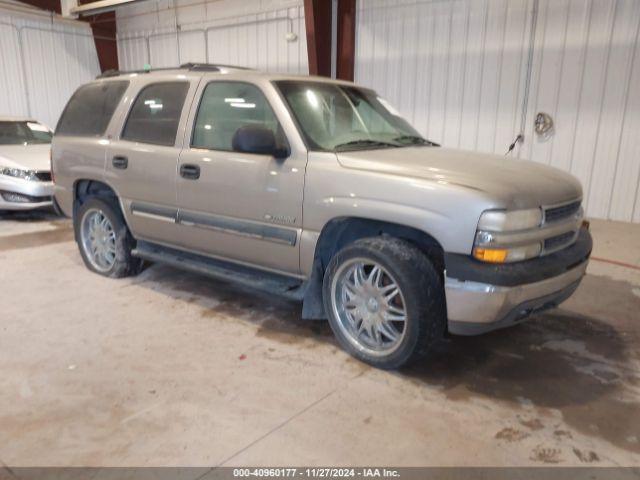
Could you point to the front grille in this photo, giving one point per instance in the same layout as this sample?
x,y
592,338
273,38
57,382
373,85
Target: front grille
x,y
554,214
559,241
43,176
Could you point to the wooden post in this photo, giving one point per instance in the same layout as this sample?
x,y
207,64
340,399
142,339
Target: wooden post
x,y
346,48
317,18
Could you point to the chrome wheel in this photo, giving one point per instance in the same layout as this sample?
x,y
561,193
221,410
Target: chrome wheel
x,y
98,239
369,306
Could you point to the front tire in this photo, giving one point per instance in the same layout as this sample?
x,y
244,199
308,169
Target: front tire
x,y
104,240
385,301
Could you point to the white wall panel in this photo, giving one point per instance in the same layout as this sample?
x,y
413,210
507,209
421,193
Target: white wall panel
x,y
453,67
43,60
250,33
458,68
14,98
583,77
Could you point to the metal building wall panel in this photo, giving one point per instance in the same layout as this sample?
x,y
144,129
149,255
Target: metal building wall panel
x,y
583,77
626,185
14,100
606,156
55,57
164,49
454,68
567,94
192,46
254,37
458,69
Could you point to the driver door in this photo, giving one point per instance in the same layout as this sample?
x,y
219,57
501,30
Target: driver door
x,y
242,207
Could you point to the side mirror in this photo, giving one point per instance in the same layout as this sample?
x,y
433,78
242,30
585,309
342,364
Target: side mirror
x,y
260,140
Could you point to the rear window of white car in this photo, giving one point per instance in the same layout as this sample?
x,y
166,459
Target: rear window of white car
x,y
90,109
23,133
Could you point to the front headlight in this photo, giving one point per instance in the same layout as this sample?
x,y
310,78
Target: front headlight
x,y
494,242
18,173
503,221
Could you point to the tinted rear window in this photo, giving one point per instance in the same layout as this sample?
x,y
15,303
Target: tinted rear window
x,y
155,115
88,112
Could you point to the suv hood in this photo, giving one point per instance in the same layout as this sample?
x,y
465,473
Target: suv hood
x,y
513,183
26,157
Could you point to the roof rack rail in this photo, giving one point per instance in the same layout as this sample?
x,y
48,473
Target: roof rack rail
x,y
210,67
192,66
115,73
109,73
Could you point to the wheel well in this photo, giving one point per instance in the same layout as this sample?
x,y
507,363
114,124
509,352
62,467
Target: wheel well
x,y
342,231
85,189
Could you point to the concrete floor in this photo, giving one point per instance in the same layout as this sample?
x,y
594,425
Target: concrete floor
x,y
174,369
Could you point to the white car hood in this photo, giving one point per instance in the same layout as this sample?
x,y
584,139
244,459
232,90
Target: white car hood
x,y
26,157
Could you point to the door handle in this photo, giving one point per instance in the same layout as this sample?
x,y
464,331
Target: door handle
x,y
120,162
189,171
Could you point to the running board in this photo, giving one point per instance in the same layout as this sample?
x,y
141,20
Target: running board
x,y
274,283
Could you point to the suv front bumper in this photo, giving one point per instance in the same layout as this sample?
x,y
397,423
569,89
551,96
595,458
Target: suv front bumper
x,y
483,297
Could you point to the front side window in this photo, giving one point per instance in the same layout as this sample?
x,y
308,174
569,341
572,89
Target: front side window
x,y
227,106
155,114
24,133
90,109
335,117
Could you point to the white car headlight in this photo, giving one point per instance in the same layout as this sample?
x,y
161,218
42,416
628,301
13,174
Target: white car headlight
x,y
18,173
504,221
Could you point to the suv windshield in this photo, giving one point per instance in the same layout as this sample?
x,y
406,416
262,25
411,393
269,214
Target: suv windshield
x,y
23,133
337,117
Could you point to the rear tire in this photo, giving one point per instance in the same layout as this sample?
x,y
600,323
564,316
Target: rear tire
x,y
385,301
104,240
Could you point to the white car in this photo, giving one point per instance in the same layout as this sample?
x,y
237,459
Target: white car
x,y
25,167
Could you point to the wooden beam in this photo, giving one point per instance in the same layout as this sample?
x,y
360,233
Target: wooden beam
x,y
103,26
49,5
317,18
346,42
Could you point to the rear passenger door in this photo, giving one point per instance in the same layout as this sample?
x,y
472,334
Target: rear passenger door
x,y
142,156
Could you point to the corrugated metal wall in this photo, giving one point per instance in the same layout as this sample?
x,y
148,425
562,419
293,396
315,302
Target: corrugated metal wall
x,y
458,70
251,33
43,60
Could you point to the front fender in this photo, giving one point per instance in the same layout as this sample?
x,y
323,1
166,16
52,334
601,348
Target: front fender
x,y
449,213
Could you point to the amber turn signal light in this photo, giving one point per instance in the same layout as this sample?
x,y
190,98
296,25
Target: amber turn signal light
x,y
491,255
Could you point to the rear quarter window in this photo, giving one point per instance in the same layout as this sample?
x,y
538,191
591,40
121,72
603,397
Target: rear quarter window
x,y
90,109
155,115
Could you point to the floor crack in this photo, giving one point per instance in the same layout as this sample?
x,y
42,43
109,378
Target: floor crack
x,y
277,427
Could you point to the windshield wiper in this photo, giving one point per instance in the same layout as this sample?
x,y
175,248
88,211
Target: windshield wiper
x,y
415,140
366,143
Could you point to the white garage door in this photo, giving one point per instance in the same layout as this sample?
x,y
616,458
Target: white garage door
x,y
460,70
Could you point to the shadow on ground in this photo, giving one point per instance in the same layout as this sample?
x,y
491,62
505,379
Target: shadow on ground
x,y
58,229
39,215
580,364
